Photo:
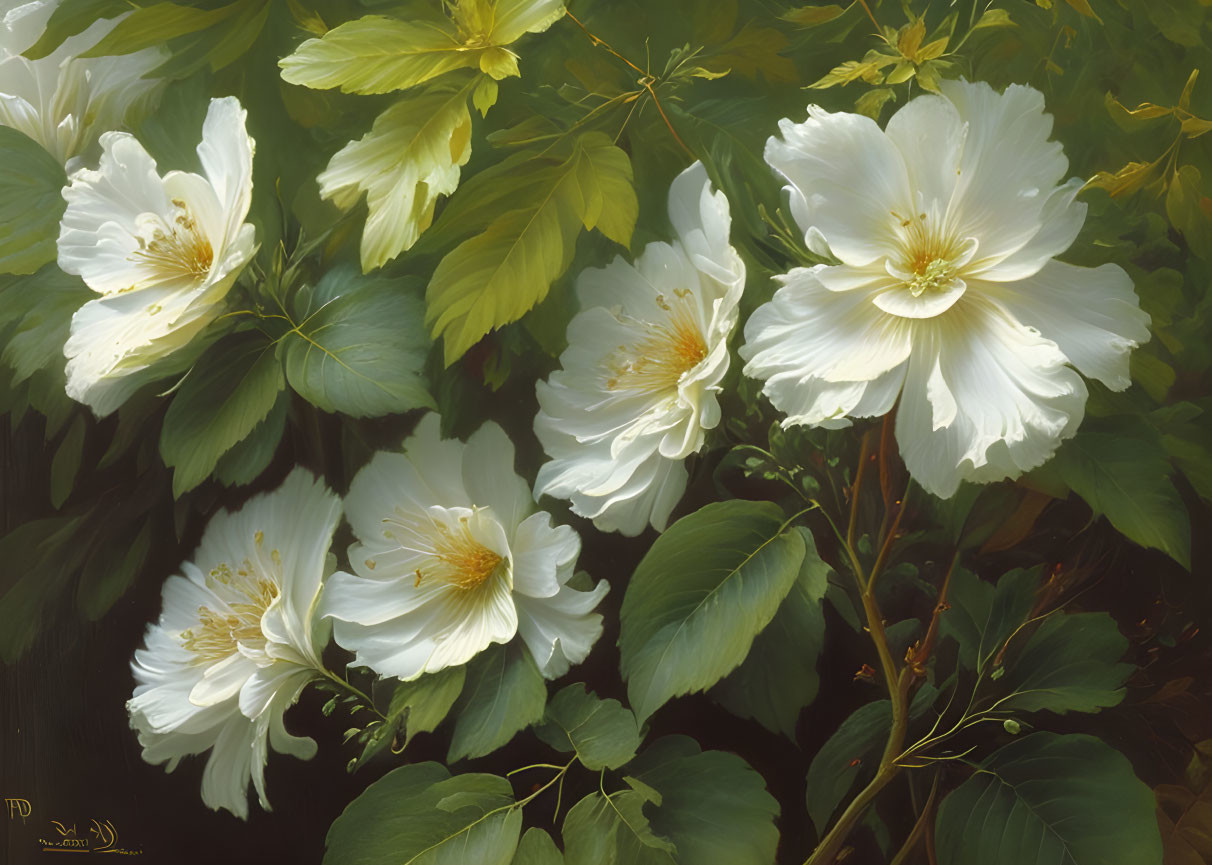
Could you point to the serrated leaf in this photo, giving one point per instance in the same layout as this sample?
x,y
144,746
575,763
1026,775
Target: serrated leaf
x,y
714,807
504,694
411,157
1070,663
1071,800
376,54
494,277
1124,475
421,815
603,734
30,203
605,830
359,347
778,677
231,389
704,590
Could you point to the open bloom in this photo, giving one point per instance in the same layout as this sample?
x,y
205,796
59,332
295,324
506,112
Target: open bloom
x,y
947,294
451,559
237,640
644,363
63,101
161,251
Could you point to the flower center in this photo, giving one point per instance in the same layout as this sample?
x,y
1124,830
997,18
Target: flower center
x,y
218,633
452,555
657,362
175,250
933,276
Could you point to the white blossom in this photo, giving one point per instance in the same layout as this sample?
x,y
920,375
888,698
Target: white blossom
x,y
645,359
947,295
451,558
237,640
161,251
62,101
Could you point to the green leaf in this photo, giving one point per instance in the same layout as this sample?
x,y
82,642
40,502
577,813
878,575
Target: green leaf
x,y
244,463
778,677
1071,663
603,734
424,703
38,558
1071,800
704,590
375,54
411,157
504,694
494,277
1124,474
359,347
231,388
853,753
66,464
981,618
35,319
537,848
156,24
714,807
420,815
417,706
30,203
610,830
109,573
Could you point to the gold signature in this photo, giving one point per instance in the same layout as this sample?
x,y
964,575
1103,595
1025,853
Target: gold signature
x,y
101,835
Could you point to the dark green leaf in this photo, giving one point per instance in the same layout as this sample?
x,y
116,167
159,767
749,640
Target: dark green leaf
x,y
1070,800
231,389
30,203
537,848
504,694
420,815
696,601
778,678
603,734
66,463
109,572
359,346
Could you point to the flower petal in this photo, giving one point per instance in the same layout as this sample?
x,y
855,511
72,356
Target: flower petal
x,y
985,398
561,630
1091,313
847,180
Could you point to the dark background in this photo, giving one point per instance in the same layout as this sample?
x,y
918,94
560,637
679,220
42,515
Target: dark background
x,y
65,745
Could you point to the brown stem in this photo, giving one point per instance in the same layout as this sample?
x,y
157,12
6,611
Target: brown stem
x,y
919,828
867,9
645,80
920,654
857,486
889,537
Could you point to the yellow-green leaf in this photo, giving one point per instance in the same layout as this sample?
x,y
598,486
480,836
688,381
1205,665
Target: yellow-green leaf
x,y
811,16
494,277
872,102
154,25
375,54
1083,6
412,155
994,18
867,69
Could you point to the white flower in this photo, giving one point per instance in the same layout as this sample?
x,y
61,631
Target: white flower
x,y
451,559
644,363
237,640
947,294
161,251
62,101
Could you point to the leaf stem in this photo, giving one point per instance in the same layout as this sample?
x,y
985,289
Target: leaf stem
x,y
919,828
353,691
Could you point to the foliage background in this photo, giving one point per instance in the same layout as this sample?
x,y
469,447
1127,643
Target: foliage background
x,y
94,518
